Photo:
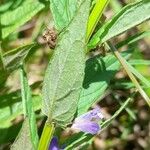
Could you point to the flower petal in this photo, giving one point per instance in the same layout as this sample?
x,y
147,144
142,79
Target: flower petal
x,y
54,144
93,115
86,126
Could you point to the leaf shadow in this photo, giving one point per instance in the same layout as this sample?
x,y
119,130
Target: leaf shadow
x,y
96,71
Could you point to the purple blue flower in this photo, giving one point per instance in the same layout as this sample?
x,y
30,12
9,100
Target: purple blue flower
x,y
54,144
88,122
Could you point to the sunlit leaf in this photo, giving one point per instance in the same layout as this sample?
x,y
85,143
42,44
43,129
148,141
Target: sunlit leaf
x,y
63,11
65,72
13,58
98,73
130,16
14,18
3,73
11,107
28,137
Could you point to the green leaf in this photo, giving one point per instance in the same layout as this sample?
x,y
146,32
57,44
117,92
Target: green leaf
x,y
23,141
14,18
14,58
133,39
28,137
63,11
130,16
3,74
139,62
139,75
28,107
11,107
98,73
116,5
65,72
124,105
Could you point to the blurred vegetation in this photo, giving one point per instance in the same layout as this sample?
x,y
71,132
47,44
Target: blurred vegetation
x,y
130,130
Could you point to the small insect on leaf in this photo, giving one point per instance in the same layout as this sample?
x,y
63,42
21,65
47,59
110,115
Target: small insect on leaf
x,y
50,37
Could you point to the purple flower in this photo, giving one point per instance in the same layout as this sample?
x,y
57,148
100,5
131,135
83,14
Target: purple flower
x,y
54,144
88,122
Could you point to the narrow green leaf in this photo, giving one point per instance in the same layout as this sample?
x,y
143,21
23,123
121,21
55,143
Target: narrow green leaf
x,y
14,18
133,39
63,12
124,105
139,75
95,16
28,107
98,73
124,64
13,58
64,75
3,74
130,16
1,61
139,62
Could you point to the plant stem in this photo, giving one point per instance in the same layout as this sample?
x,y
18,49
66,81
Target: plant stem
x,y
131,76
46,136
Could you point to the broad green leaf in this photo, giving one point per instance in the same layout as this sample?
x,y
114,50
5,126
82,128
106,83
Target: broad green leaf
x,y
14,18
28,107
98,73
130,16
63,11
14,58
23,140
65,72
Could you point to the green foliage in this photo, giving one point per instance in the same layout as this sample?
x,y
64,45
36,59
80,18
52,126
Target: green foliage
x,y
2,70
133,39
11,107
12,19
63,12
11,60
28,136
98,73
24,138
15,57
75,80
130,16
28,108
68,63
